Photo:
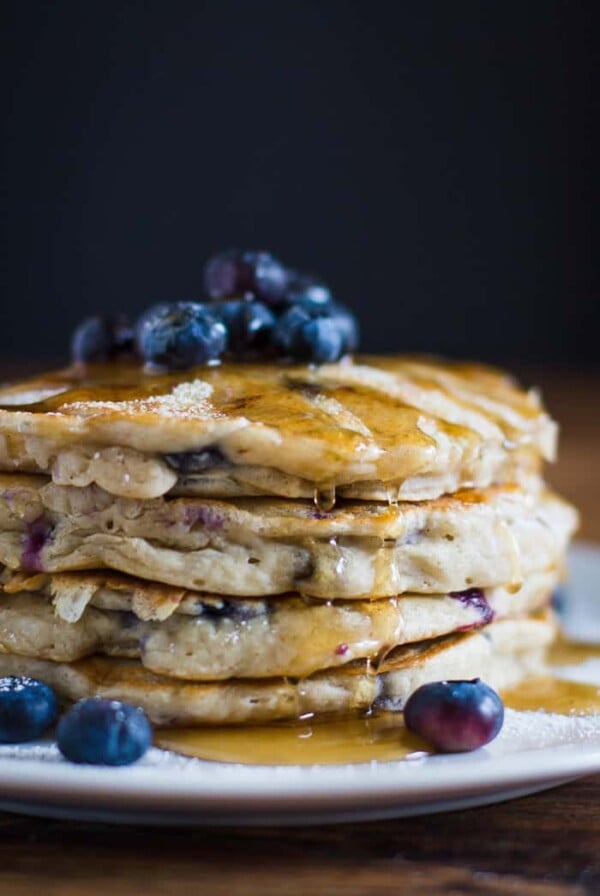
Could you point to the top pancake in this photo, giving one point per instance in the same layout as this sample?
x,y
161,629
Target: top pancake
x,y
374,429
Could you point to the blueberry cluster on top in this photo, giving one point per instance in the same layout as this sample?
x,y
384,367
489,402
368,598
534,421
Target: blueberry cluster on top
x,y
255,308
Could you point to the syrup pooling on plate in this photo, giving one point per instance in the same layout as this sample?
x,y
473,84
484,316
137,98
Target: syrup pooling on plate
x,y
554,695
559,695
380,738
567,653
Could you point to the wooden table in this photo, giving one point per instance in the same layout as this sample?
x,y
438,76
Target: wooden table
x,y
537,846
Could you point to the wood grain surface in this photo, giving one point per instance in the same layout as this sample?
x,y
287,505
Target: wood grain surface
x,y
544,845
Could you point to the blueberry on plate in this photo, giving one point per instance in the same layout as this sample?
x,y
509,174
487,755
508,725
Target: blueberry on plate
x,y
103,732
180,335
234,273
455,716
318,334
249,323
28,707
101,338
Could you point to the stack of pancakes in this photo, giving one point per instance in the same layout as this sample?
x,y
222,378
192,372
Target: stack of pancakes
x,y
250,542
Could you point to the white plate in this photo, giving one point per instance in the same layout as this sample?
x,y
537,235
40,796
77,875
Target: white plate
x,y
533,752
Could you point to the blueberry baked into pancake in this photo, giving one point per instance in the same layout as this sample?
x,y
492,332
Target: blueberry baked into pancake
x,y
225,516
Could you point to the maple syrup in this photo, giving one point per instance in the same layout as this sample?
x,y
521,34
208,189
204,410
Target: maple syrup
x,y
374,738
366,417
571,653
549,694
306,742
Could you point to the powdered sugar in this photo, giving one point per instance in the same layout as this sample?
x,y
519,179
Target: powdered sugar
x,y
186,400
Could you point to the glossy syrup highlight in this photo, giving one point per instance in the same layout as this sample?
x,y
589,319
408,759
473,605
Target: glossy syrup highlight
x,y
378,737
381,738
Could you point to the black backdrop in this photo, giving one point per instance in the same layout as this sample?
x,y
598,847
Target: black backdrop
x,y
433,160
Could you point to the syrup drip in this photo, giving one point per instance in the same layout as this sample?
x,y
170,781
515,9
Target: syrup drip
x,y
392,495
324,498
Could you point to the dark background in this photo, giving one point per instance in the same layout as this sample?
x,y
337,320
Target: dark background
x,y
433,161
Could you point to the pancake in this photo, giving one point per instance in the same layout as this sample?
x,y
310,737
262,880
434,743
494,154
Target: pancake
x,y
503,654
405,428
209,638
227,481
261,547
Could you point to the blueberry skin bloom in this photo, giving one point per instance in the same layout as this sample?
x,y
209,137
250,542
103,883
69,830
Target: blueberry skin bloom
x,y
28,707
455,716
103,732
180,335
101,338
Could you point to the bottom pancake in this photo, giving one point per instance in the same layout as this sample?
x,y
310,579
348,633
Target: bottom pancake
x,y
503,654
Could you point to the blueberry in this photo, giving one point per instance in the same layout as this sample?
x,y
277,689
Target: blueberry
x,y
559,600
149,314
307,289
234,273
319,340
455,716
190,462
475,599
103,732
321,334
180,335
250,324
101,338
38,533
28,707
348,326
